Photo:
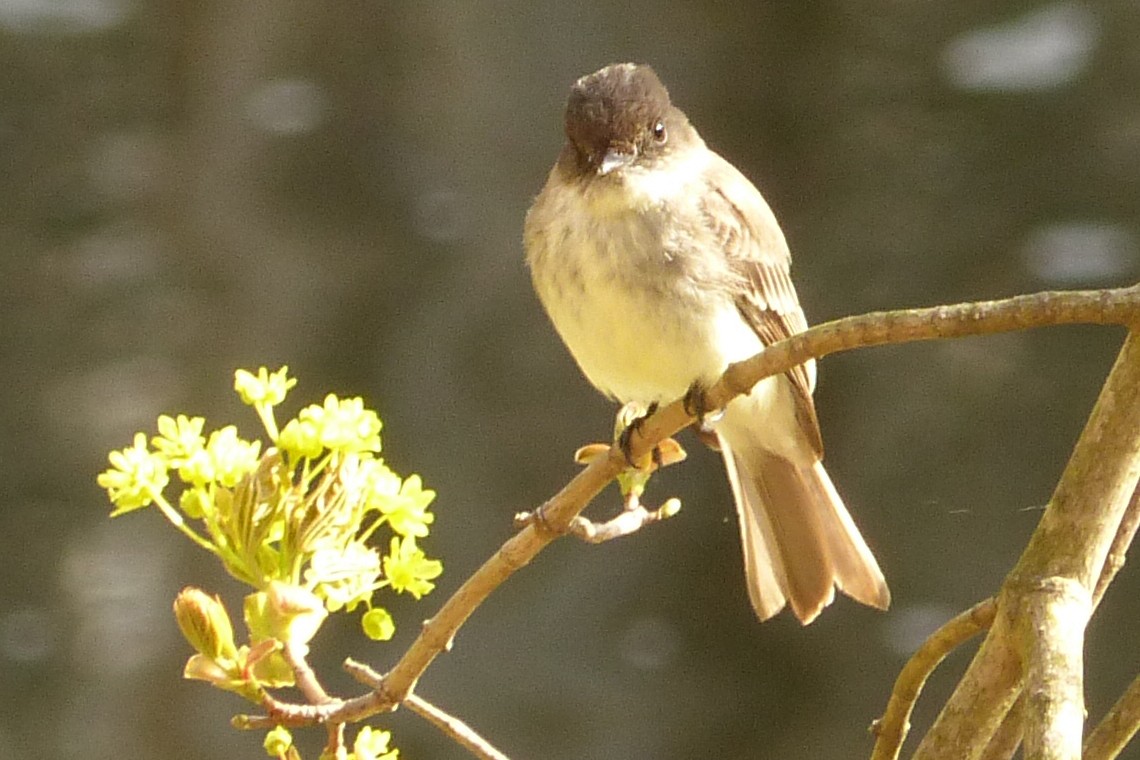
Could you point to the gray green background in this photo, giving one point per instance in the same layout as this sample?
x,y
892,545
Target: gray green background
x,y
186,188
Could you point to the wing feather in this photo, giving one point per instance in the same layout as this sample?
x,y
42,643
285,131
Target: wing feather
x,y
744,225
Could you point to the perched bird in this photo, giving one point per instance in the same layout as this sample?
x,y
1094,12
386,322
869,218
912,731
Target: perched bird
x,y
659,264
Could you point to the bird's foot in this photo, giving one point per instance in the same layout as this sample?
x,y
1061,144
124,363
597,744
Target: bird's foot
x,y
630,419
632,481
695,402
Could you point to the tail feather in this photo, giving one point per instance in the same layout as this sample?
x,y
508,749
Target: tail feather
x,y
763,573
856,572
799,540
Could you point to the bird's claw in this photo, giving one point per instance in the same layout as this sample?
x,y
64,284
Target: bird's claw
x,y
632,418
695,401
696,404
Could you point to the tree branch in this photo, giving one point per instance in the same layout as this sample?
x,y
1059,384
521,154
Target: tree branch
x,y
892,728
309,685
1046,600
981,700
1119,306
1117,553
1066,555
307,681
1118,727
1003,745
459,731
1005,742
1051,637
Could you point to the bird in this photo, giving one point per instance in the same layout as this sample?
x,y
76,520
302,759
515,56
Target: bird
x,y
659,264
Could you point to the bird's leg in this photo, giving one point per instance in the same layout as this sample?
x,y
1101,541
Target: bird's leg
x,y
624,438
696,404
695,401
632,481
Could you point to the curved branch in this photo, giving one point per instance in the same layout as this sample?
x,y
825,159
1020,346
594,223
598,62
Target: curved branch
x,y
895,723
1118,306
1007,738
309,685
892,728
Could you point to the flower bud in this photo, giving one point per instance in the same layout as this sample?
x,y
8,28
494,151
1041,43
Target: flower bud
x,y
205,624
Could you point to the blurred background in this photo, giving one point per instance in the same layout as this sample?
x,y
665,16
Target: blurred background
x,y
187,188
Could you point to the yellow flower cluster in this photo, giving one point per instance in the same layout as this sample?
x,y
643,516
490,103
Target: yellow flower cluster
x,y
300,513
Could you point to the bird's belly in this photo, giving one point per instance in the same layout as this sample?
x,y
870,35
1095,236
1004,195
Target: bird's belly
x,y
642,335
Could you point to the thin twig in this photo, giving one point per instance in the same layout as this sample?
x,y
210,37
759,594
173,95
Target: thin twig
x,y
892,728
1119,306
288,714
627,522
307,681
453,727
1113,733
363,673
448,724
1119,550
309,685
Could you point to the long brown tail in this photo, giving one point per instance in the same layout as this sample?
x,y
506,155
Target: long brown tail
x,y
799,540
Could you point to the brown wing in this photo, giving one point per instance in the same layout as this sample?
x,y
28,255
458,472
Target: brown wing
x,y
752,242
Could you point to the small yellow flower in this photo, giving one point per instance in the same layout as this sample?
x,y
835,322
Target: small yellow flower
x,y
135,478
344,577
263,388
233,458
178,439
197,469
382,483
278,741
371,744
344,424
407,511
300,438
408,569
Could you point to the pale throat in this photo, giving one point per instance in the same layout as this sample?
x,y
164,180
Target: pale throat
x,y
640,188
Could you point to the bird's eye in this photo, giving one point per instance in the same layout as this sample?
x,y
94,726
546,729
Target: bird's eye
x,y
659,131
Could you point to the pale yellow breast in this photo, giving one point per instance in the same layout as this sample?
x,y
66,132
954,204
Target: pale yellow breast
x,y
637,328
